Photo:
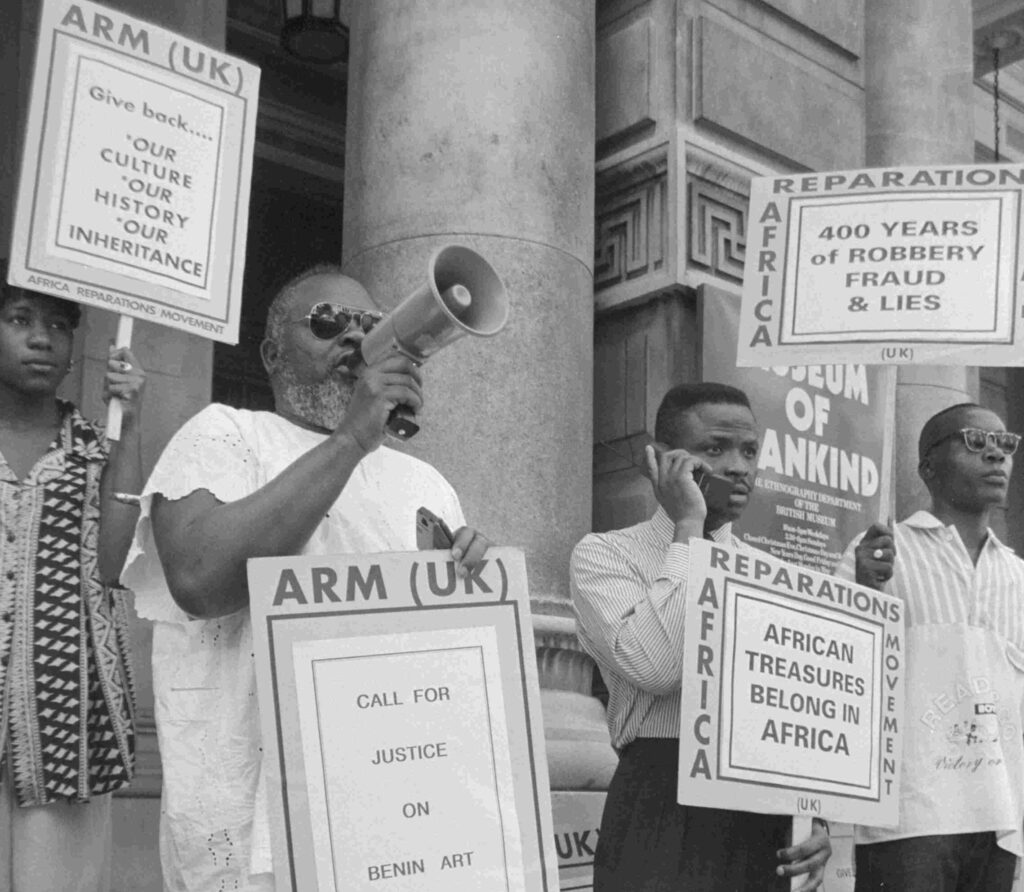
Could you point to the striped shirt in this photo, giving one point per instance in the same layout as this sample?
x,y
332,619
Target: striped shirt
x,y
628,589
938,582
963,758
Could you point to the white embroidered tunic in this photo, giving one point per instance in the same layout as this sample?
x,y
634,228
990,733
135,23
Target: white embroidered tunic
x,y
214,832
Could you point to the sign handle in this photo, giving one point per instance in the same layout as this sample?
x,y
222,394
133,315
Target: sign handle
x,y
802,829
114,408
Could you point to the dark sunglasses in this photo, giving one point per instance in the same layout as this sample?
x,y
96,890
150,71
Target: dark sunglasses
x,y
327,320
976,440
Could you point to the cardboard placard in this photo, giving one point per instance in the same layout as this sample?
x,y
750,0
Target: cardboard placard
x,y
401,723
884,266
137,160
577,817
792,694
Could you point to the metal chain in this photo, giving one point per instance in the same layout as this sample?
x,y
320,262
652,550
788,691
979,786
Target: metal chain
x,y
995,96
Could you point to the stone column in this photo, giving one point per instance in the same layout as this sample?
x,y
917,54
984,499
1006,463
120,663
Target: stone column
x,y
473,123
919,75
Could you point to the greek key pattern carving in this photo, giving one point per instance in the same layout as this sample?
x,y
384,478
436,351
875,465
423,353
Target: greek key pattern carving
x,y
718,226
631,227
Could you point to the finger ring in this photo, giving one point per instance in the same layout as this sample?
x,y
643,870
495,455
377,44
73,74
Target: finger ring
x,y
877,554
126,366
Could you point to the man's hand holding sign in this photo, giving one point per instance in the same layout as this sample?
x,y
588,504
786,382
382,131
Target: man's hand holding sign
x,y
794,680
876,553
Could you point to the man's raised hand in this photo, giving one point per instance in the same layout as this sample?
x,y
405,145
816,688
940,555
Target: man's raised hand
x,y
395,380
671,473
875,556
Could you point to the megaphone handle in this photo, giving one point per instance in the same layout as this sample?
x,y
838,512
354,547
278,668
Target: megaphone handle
x,y
400,424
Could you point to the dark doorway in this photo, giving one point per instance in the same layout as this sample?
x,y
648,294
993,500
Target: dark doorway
x,y
294,222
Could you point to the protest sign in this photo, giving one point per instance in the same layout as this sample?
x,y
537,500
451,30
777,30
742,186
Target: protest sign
x,y
577,819
401,723
792,693
890,265
824,468
134,186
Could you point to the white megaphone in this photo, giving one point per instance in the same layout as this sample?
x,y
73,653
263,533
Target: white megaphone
x,y
463,295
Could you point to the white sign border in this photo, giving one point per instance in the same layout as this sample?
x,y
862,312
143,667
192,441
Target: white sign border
x,y
540,857
701,697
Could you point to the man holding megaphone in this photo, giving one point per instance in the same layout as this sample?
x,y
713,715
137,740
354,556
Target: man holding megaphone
x,y
312,477
461,295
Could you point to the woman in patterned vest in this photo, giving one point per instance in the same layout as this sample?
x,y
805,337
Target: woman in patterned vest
x,y
66,734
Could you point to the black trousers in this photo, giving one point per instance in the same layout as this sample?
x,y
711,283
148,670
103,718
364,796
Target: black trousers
x,y
649,843
958,862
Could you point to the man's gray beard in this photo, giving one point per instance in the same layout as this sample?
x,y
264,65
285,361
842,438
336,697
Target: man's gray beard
x,y
322,404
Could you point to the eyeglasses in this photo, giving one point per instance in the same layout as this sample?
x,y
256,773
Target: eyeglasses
x,y
327,320
976,440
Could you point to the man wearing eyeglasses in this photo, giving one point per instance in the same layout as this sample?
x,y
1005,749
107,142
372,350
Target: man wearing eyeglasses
x,y
962,782
312,477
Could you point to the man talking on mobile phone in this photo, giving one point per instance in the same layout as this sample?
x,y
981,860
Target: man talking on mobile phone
x,y
629,589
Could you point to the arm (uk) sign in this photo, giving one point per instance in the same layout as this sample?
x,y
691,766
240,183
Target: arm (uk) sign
x,y
401,723
134,186
885,266
792,694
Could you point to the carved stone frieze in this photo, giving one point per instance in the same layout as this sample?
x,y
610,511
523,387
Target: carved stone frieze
x,y
674,215
717,204
632,220
718,226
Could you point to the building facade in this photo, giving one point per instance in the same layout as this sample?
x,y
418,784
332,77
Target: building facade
x,y
599,154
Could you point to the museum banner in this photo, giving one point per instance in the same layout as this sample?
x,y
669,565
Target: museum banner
x,y
824,468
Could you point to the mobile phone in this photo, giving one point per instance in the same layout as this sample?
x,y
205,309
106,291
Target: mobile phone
x,y
432,533
715,488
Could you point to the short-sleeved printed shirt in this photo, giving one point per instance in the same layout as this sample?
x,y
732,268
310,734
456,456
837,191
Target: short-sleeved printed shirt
x,y
67,711
213,831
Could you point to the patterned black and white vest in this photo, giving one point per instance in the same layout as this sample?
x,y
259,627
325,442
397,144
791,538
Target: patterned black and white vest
x,y
66,722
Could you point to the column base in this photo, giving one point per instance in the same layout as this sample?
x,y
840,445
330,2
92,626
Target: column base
x,y
580,756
